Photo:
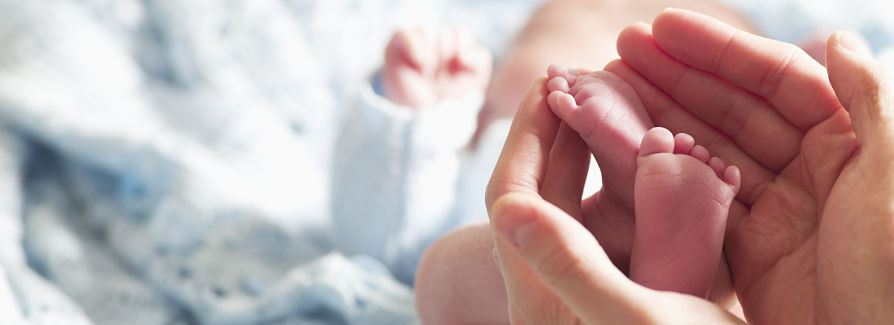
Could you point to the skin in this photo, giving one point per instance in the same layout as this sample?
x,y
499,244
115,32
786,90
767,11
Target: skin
x,y
681,201
811,241
424,66
557,273
577,33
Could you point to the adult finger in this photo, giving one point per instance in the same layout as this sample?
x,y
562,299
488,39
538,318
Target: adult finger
x,y
566,174
667,113
521,169
568,259
859,211
862,87
741,115
523,162
794,83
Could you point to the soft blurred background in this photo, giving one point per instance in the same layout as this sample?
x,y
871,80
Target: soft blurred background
x,y
177,161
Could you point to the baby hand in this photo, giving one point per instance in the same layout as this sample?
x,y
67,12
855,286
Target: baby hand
x,y
426,65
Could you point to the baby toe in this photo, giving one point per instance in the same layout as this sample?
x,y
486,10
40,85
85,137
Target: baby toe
x,y
562,104
733,177
683,143
717,165
657,140
700,153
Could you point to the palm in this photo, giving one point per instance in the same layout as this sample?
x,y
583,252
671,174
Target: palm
x,y
770,109
774,250
807,185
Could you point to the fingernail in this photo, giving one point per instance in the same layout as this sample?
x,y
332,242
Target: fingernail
x,y
853,43
517,223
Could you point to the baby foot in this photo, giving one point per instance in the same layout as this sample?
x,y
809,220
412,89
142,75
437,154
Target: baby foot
x,y
608,115
682,199
424,66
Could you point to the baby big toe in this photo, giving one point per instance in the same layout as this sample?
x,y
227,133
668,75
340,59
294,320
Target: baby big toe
x,y
563,105
656,140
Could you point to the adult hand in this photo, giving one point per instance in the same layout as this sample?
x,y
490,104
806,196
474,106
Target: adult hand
x,y
817,242
555,272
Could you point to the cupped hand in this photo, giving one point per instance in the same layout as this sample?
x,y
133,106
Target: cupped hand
x,y
554,269
816,243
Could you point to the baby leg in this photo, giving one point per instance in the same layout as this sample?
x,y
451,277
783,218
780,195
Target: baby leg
x,y
458,281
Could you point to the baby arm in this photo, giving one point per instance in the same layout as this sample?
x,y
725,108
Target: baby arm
x,y
398,153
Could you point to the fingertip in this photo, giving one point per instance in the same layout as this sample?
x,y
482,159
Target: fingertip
x,y
569,260
612,65
861,85
668,10
641,25
849,63
537,86
514,218
631,37
849,41
398,46
667,14
535,97
671,19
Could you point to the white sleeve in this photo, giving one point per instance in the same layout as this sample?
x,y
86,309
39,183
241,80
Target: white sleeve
x,y
394,176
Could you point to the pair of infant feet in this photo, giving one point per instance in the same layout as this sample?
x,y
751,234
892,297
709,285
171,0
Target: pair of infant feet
x,y
681,195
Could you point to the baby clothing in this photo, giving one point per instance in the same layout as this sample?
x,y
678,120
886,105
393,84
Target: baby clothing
x,y
174,162
398,168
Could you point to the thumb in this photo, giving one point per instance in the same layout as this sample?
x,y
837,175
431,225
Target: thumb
x,y
862,87
567,258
